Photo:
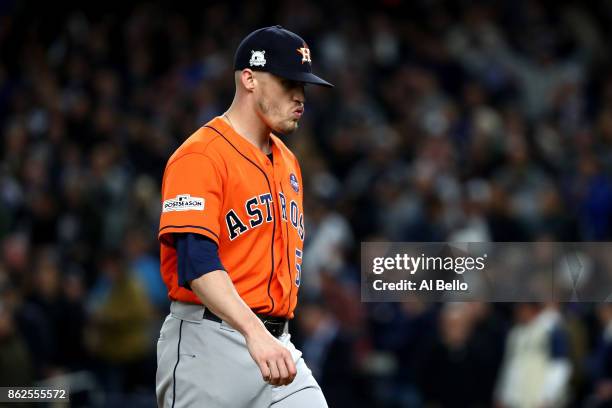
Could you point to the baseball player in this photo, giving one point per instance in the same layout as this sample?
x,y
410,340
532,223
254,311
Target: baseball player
x,y
231,235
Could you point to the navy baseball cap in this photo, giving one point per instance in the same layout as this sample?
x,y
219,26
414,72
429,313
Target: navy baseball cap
x,y
279,52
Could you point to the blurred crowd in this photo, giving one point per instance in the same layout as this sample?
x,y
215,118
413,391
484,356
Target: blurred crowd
x,y
464,120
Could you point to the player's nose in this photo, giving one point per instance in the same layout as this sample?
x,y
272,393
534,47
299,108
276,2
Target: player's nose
x,y
299,95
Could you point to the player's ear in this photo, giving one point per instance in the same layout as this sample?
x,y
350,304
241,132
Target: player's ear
x,y
247,77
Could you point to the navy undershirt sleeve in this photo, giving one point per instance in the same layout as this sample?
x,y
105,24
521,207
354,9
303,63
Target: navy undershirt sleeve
x,y
196,255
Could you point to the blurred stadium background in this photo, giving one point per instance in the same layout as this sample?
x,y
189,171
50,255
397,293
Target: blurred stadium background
x,y
450,120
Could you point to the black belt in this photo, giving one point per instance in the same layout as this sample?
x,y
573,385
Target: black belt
x,y
275,325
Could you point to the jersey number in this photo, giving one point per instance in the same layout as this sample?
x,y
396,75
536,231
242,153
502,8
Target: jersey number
x,y
298,267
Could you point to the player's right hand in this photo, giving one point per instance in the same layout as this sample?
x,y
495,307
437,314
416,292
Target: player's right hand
x,y
274,360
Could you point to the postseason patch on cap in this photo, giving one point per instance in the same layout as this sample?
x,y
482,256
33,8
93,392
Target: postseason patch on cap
x,y
258,58
294,183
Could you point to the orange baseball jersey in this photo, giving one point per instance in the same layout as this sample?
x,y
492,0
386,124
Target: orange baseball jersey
x,y
220,185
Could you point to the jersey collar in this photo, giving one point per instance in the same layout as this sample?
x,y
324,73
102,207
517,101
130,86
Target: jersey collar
x,y
242,144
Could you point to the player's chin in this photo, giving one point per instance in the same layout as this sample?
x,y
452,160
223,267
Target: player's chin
x,y
289,126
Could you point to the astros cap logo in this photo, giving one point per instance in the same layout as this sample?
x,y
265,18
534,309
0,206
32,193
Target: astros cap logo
x,y
305,51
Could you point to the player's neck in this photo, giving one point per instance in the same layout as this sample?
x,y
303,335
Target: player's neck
x,y
248,125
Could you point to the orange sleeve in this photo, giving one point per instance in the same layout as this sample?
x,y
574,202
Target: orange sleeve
x,y
191,197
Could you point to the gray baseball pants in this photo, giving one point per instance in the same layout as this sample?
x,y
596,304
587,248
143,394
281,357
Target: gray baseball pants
x,y
202,363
